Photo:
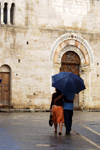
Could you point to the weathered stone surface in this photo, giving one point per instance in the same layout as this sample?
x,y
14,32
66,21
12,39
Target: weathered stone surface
x,y
27,48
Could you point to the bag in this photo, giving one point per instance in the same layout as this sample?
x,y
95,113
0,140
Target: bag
x,y
50,120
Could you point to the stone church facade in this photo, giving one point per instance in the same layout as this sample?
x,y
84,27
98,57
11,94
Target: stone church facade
x,y
40,38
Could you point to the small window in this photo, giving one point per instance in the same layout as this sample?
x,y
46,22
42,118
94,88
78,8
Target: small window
x,y
5,13
12,13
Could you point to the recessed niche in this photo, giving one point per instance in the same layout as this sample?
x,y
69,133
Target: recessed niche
x,y
27,42
19,60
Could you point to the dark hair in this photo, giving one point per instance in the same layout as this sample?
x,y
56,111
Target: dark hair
x,y
58,91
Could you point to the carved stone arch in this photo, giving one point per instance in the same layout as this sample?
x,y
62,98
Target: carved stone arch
x,y
74,49
71,40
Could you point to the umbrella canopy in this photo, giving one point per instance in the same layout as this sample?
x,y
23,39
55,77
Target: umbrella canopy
x,y
68,82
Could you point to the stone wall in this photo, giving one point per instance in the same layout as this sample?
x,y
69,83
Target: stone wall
x,y
26,47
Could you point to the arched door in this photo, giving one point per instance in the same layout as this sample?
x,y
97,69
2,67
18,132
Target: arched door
x,y
70,63
5,86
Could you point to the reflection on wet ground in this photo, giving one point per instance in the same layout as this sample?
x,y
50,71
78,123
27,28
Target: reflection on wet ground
x,y
30,131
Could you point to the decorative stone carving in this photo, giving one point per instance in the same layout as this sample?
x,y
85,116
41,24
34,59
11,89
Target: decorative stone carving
x,y
71,48
74,37
84,68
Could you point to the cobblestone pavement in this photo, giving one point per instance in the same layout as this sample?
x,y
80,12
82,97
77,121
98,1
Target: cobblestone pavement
x,y
30,131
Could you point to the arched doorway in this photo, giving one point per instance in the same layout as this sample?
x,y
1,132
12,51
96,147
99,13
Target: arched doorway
x,y
70,63
73,42
5,86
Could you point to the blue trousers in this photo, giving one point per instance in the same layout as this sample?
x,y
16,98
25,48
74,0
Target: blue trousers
x,y
68,119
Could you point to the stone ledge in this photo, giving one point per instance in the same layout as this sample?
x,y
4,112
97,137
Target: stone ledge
x,y
42,110
92,110
24,110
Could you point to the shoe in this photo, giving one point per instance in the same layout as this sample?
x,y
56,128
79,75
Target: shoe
x,y
67,133
59,133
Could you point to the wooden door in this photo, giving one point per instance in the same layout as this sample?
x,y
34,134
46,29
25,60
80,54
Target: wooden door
x,y
70,63
5,89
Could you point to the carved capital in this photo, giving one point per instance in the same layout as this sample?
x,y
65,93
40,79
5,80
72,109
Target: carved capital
x,y
84,68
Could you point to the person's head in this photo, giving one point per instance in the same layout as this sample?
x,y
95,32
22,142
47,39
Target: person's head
x,y
58,91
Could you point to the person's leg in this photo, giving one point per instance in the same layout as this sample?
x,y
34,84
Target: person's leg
x,y
70,118
60,127
55,126
66,119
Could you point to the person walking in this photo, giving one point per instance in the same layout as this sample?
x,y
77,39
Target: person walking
x,y
56,108
68,111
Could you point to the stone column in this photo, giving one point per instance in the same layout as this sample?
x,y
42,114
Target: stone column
x,y
2,14
56,68
85,95
8,14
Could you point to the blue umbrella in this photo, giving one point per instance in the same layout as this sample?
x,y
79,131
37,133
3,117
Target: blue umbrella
x,y
68,82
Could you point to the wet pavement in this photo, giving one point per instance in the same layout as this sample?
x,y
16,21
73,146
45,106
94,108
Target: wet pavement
x,y
30,131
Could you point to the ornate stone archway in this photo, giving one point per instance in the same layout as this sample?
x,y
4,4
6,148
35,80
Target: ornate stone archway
x,y
74,42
